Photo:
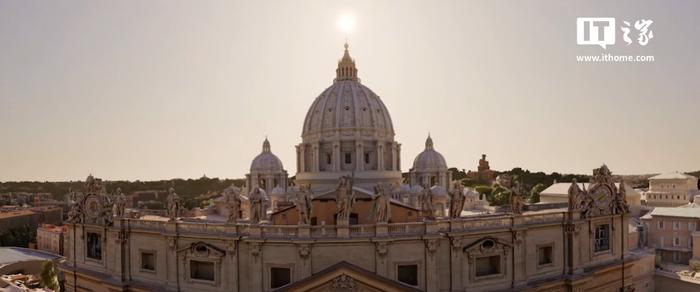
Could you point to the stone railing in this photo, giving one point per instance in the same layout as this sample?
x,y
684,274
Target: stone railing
x,y
464,224
407,228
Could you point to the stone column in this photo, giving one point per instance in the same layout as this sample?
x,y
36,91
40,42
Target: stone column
x,y
432,277
302,158
304,250
316,159
336,159
519,259
255,279
394,151
456,263
380,155
381,259
360,157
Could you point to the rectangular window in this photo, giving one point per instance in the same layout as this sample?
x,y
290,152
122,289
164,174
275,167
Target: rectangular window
x,y
200,270
148,261
486,266
328,158
544,255
676,241
94,246
602,237
348,158
691,226
367,157
280,277
408,274
661,224
676,225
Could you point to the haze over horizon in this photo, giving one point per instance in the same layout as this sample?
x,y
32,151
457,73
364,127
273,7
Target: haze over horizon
x,y
133,90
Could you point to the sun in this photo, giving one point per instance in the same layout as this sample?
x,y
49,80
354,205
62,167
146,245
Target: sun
x,y
346,23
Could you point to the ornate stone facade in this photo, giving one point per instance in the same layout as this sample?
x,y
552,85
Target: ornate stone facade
x,y
341,236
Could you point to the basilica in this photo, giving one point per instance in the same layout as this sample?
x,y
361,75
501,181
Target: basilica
x,y
350,220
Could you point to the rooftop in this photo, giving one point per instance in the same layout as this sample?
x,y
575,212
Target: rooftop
x,y
687,212
674,175
9,255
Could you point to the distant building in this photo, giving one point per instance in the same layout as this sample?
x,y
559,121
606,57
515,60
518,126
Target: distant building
x,y
15,217
49,237
483,172
670,231
149,199
671,190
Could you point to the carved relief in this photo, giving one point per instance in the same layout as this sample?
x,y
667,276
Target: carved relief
x,y
255,248
304,250
344,283
382,248
431,245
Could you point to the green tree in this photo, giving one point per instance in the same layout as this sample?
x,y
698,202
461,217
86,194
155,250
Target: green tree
x,y
500,196
484,192
535,193
49,276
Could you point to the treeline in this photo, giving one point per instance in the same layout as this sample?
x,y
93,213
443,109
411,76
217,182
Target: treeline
x,y
188,189
532,182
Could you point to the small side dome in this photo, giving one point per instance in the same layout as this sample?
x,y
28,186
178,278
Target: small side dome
x,y
266,162
429,160
439,191
416,189
404,189
278,192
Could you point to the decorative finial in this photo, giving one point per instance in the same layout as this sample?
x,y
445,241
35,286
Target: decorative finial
x,y
346,66
266,145
429,143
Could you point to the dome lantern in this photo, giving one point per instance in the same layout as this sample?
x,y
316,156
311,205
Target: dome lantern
x,y
346,67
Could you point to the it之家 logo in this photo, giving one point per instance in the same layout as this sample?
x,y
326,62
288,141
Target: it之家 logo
x,y
600,31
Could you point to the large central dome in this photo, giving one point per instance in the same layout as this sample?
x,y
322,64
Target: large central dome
x,y
348,107
347,131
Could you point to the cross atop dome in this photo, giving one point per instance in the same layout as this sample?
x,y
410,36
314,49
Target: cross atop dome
x,y
266,145
429,143
346,67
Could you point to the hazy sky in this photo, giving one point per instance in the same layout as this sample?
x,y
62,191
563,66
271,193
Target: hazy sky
x,y
162,89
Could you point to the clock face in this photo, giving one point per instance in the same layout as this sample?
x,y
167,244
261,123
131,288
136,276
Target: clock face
x,y
92,206
602,196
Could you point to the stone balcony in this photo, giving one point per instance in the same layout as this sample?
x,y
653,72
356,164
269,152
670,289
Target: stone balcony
x,y
464,224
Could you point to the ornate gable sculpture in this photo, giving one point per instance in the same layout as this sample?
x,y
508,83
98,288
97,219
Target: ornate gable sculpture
x,y
602,198
94,207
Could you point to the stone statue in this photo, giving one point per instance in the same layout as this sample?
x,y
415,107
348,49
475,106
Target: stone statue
x,y
233,203
257,208
173,204
426,203
619,201
303,204
119,203
516,198
75,201
574,196
345,198
107,205
381,209
456,200
586,203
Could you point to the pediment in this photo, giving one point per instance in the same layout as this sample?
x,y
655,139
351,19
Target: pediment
x,y
202,249
346,277
487,246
